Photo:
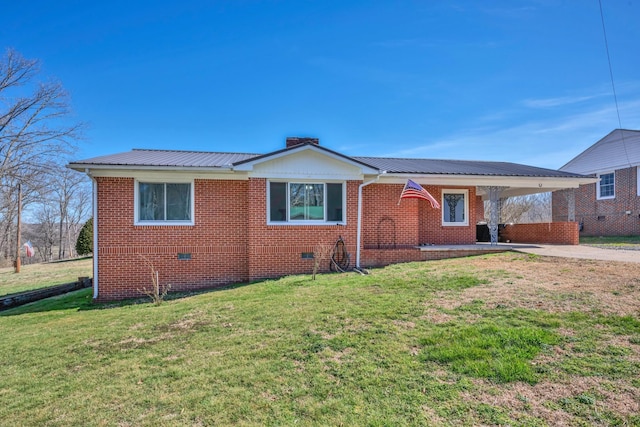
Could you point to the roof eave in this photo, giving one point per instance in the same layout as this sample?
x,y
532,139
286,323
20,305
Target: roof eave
x,y
84,167
488,180
612,168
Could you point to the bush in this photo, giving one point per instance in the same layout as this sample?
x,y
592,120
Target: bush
x,y
84,244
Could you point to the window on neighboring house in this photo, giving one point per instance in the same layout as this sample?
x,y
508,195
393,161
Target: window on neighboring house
x,y
638,180
455,207
306,202
606,186
164,203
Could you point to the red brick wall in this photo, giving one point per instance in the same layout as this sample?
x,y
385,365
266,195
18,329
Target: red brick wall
x,y
217,242
276,250
561,233
411,223
433,232
384,223
604,217
382,257
232,242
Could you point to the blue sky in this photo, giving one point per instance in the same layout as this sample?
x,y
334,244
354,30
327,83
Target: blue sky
x,y
525,81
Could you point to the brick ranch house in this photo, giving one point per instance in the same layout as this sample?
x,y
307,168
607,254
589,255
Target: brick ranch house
x,y
206,219
610,206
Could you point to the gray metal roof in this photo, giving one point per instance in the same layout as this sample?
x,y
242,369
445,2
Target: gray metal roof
x,y
460,167
201,159
168,158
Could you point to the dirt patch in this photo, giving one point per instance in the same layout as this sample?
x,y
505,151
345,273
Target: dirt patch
x,y
434,316
553,284
404,324
544,400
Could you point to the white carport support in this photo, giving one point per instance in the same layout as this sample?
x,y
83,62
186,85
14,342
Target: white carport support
x,y
494,193
571,204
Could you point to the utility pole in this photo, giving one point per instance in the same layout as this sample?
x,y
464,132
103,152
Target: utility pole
x,y
17,265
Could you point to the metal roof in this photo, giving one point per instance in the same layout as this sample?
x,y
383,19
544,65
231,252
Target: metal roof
x,y
460,167
199,159
168,158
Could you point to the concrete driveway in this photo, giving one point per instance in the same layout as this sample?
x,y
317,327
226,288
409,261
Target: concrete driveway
x,y
579,251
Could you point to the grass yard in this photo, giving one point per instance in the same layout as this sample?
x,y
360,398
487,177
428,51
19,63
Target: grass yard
x,y
34,276
612,242
506,339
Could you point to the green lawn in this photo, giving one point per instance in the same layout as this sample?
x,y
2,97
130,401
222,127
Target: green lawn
x,y
401,346
620,242
36,276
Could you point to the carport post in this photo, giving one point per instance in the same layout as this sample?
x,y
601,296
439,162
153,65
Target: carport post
x,y
494,211
571,205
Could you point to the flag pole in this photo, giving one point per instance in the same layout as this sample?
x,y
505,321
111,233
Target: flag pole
x,y
17,265
405,186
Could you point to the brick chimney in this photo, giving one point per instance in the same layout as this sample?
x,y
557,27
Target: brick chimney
x,y
295,140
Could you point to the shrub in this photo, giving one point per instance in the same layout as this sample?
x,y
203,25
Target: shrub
x,y
84,244
157,292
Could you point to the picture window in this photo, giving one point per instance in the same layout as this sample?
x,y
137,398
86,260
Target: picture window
x,y
305,202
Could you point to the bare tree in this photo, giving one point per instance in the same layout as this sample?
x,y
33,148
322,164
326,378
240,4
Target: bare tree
x,y
45,234
541,210
34,131
68,186
9,209
524,209
31,127
63,204
78,212
8,213
515,209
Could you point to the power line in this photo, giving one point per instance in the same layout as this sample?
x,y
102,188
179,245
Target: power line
x,y
613,86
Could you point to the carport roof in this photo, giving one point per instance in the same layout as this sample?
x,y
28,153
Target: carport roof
x,y
460,167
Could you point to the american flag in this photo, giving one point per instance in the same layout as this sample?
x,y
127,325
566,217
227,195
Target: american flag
x,y
413,190
29,249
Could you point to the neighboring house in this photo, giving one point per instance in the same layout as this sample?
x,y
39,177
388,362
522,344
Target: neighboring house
x,y
207,219
611,206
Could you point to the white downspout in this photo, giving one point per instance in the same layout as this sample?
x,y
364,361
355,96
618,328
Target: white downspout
x,y
359,233
94,185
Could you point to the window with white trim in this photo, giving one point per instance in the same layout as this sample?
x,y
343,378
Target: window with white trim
x,y
305,202
606,186
638,180
455,207
164,203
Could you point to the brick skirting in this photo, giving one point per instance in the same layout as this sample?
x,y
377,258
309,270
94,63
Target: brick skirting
x,y
383,257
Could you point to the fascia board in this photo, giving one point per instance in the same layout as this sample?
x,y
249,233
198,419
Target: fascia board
x,y
610,168
288,176
84,166
481,180
154,174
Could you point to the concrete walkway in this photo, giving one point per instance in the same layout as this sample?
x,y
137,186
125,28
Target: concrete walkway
x,y
578,251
